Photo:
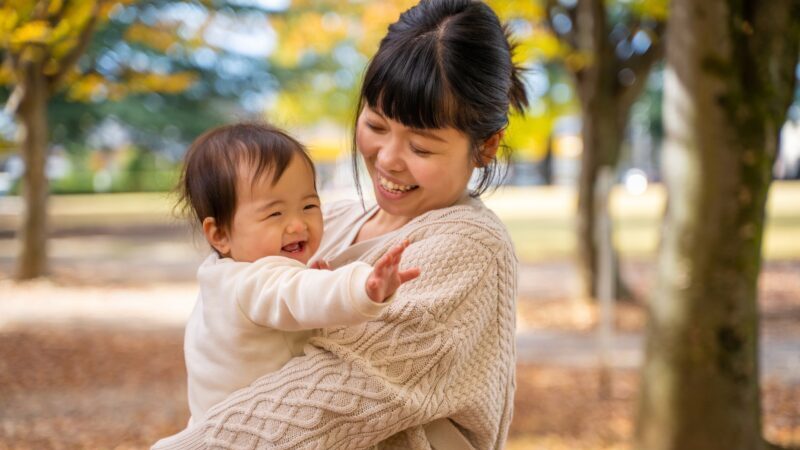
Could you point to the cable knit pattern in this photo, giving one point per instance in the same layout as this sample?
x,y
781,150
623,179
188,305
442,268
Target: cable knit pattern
x,y
444,348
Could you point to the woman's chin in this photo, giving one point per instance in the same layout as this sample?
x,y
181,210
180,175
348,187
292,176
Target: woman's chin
x,y
405,204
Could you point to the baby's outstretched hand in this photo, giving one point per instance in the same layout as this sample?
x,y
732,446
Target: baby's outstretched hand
x,y
386,276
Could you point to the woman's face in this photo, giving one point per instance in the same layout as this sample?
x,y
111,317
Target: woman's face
x,y
413,171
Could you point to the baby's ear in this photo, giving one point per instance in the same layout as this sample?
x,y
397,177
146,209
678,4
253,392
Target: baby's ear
x,y
216,236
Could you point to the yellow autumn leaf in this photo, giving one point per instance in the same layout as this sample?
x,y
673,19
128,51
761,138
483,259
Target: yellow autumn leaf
x,y
656,9
63,30
517,9
8,21
155,38
173,83
31,53
51,67
543,45
54,7
61,48
78,14
35,32
107,7
6,76
86,87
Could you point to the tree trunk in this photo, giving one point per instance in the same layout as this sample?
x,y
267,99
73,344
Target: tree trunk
x,y
601,140
32,115
603,123
726,95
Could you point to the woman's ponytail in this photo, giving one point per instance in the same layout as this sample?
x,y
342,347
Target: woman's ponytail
x,y
517,95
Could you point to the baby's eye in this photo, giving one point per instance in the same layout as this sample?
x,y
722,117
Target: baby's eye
x,y
310,206
275,214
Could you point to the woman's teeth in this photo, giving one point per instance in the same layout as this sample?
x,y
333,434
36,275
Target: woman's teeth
x,y
395,187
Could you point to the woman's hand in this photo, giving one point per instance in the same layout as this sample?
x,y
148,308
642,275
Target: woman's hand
x,y
320,265
386,276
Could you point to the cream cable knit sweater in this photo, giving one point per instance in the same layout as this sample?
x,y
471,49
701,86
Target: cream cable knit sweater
x,y
253,317
444,348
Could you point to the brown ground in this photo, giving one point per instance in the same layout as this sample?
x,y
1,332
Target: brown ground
x,y
102,388
95,385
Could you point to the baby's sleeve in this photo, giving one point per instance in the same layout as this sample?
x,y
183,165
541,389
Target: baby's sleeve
x,y
292,297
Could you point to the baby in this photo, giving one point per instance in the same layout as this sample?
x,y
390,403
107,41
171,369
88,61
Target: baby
x,y
252,189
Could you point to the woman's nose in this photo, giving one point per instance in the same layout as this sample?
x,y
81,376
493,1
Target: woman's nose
x,y
390,156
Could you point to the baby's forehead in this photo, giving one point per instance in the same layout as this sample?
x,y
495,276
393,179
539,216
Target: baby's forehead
x,y
296,180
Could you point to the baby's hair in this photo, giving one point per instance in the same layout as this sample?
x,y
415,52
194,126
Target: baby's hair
x,y
207,186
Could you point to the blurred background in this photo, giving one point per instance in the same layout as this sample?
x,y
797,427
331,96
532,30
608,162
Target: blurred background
x,y
91,341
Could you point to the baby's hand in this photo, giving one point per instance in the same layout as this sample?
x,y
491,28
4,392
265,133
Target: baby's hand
x,y
386,276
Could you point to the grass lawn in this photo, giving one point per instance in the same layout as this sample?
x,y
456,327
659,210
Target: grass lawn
x,y
540,219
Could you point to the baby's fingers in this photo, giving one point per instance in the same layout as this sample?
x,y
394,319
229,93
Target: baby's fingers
x,y
383,263
397,251
408,275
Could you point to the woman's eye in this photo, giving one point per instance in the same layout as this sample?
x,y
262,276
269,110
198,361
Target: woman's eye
x,y
374,127
420,151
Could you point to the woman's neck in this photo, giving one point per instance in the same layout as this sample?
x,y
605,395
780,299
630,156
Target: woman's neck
x,y
379,224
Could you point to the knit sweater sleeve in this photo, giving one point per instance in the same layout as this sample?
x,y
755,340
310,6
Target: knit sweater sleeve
x,y
443,349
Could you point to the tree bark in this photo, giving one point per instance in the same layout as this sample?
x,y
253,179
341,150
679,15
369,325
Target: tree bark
x,y
728,85
32,115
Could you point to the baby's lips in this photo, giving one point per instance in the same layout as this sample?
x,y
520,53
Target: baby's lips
x,y
294,246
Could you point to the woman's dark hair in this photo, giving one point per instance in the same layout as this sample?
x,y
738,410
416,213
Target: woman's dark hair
x,y
207,186
447,63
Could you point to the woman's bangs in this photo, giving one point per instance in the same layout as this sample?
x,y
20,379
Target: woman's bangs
x,y
410,88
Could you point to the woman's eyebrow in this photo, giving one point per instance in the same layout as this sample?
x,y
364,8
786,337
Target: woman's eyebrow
x,y
427,134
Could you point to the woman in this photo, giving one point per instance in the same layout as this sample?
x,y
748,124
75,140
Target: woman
x,y
438,367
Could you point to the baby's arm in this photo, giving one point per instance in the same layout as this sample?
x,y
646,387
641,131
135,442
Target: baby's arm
x,y
292,297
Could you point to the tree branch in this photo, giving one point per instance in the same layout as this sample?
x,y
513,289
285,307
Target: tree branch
x,y
570,38
12,104
775,43
641,65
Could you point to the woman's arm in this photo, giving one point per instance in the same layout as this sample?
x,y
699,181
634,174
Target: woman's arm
x,y
443,349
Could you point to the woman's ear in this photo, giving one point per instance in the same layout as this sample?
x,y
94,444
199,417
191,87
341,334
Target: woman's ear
x,y
216,236
490,148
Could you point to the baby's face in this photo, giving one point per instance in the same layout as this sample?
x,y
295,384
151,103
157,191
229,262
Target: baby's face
x,y
280,220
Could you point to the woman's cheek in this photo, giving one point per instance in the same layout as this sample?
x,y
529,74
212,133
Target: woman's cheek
x,y
363,142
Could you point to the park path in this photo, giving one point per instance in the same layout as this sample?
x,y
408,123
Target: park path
x,y
561,346
166,305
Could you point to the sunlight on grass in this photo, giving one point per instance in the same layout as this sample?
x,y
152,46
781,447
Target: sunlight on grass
x,y
539,219
542,225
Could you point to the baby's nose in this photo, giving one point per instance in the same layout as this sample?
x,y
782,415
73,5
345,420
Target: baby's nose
x,y
296,226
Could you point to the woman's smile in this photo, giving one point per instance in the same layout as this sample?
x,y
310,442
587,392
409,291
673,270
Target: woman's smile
x,y
394,187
